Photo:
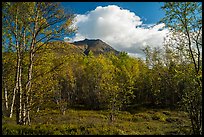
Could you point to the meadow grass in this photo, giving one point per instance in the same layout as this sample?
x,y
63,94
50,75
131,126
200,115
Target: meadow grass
x,y
90,122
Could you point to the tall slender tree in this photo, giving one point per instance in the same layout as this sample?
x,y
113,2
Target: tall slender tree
x,y
31,26
184,19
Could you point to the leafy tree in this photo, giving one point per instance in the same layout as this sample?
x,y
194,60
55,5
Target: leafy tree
x,y
118,81
185,22
185,19
32,24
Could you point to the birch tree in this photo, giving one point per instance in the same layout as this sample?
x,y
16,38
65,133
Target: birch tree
x,y
184,19
31,26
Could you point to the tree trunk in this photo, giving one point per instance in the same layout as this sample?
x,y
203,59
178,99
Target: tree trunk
x,y
17,88
6,101
112,118
13,101
19,92
27,122
29,82
28,86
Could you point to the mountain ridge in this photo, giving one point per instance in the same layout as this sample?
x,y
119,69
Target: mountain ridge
x,y
97,46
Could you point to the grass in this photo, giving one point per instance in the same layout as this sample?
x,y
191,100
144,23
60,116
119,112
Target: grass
x,y
85,122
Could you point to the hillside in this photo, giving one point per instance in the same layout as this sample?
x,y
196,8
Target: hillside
x,y
62,48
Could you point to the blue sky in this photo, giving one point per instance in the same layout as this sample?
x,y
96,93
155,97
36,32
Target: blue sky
x,y
150,12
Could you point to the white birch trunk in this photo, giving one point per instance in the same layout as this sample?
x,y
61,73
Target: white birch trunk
x,y
12,103
6,98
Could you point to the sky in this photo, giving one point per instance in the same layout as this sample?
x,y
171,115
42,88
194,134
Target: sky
x,y
126,26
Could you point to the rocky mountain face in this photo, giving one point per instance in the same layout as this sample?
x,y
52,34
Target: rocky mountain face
x,y
96,46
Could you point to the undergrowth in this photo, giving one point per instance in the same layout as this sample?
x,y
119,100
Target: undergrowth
x,y
89,122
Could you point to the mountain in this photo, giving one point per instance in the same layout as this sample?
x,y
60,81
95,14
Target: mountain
x,y
97,46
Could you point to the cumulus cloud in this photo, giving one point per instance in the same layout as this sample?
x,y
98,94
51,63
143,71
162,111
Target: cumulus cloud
x,y
120,28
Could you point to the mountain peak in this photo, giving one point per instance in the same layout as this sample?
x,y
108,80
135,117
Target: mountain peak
x,y
89,41
97,46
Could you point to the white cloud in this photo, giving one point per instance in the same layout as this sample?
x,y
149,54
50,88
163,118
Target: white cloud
x,y
120,28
